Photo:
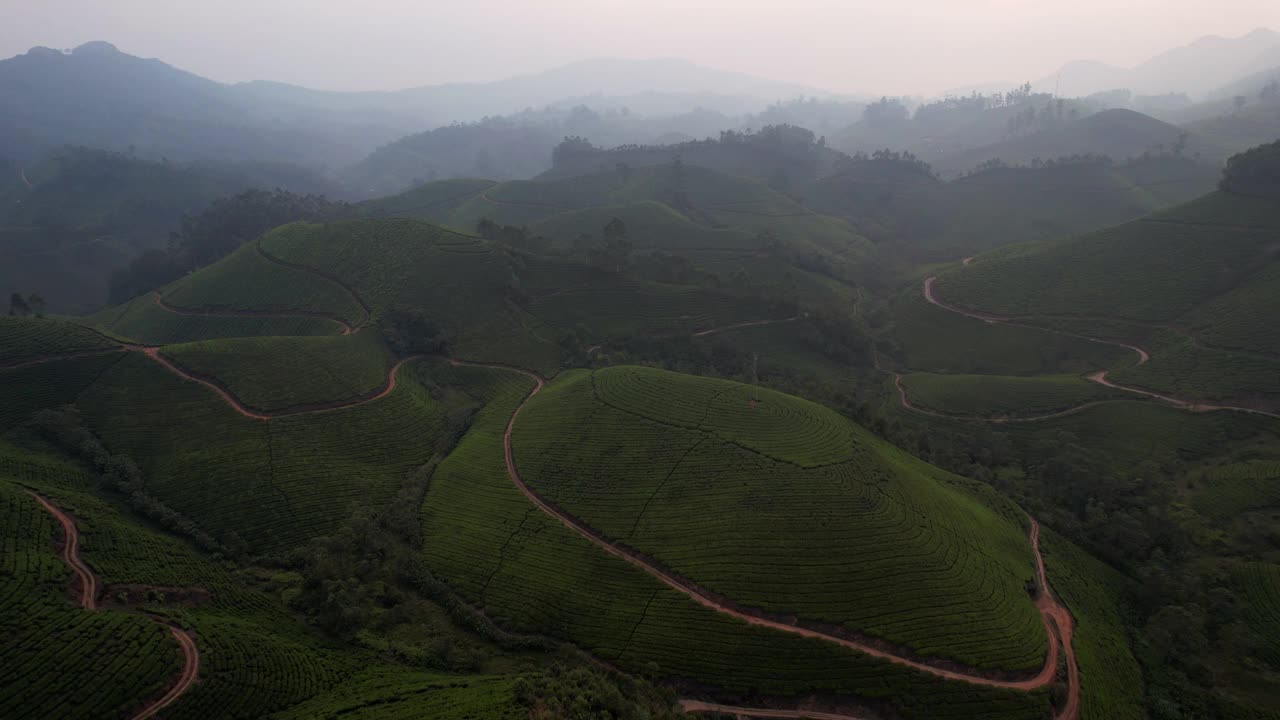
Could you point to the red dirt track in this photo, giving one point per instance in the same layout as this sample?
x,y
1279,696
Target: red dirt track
x,y
1056,618
88,600
71,554
1099,377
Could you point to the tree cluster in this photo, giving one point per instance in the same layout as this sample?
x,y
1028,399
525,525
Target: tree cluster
x,y
120,473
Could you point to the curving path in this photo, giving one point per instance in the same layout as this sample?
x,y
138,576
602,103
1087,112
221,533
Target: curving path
x,y
88,600
23,173
71,554
1099,377
752,323
163,305
1056,618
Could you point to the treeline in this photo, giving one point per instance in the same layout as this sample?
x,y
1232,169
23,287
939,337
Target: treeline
x,y
215,233
1254,172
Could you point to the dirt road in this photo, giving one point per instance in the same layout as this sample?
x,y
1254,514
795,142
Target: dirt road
x,y
1051,612
1099,377
88,600
71,554
190,671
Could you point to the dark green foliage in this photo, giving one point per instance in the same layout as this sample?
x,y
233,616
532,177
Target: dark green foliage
x,y
218,231
1254,172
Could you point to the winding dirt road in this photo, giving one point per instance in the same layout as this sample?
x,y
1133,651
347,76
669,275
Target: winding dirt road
x,y
1099,377
752,323
239,407
23,173
190,672
71,554
1054,616
88,600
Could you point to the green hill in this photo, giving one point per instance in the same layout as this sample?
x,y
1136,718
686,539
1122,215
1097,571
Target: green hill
x,y
901,206
1193,284
684,449
87,213
1117,134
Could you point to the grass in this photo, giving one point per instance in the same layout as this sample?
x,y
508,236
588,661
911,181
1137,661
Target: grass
x,y
280,373
1003,396
59,660
26,338
142,320
531,574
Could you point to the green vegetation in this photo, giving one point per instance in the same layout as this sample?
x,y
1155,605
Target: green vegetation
x,y
25,390
530,573
23,339
1111,679
59,659
1001,396
1156,269
273,483
930,339
248,281
282,373
1261,585
1224,492
686,448
143,320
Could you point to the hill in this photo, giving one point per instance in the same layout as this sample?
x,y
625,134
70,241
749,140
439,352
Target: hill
x,y
1192,285
897,202
69,222
725,445
1196,68
1118,134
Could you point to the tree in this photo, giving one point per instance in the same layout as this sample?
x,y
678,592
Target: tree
x,y
612,254
18,305
35,304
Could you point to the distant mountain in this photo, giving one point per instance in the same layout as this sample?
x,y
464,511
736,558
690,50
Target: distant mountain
x,y
1196,69
100,97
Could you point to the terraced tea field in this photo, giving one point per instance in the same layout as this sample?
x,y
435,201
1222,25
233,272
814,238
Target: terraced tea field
x,y
531,573
1155,269
652,459
276,482
1223,492
58,659
1261,585
1003,396
410,695
282,373
247,280
23,340
145,321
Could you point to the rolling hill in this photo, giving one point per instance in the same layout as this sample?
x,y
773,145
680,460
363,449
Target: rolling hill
x,y
1192,284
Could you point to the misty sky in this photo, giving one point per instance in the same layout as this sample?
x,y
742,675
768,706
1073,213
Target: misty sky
x,y
885,46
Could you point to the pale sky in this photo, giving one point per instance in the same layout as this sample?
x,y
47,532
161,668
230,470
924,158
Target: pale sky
x,y
880,46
